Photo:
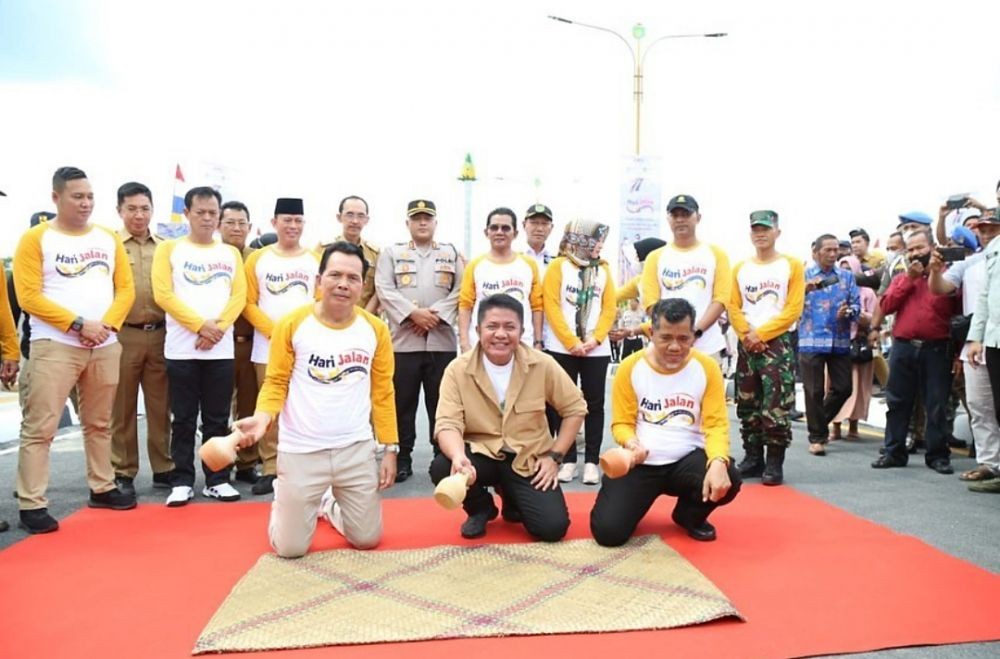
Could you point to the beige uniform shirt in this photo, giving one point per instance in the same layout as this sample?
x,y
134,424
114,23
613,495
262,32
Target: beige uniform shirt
x,y
242,329
144,310
371,258
408,278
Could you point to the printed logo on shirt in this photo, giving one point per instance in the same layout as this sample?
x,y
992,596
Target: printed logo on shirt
x,y
511,287
77,265
675,279
573,293
349,366
767,289
281,283
675,410
201,274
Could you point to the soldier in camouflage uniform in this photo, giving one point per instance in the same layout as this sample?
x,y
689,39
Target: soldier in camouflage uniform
x,y
767,297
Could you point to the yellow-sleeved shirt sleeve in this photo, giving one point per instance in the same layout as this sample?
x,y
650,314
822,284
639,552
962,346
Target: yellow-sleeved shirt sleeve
x,y
467,294
535,296
163,289
28,281
237,295
609,307
735,307
624,404
630,291
9,348
649,282
552,304
794,301
723,283
124,297
280,362
714,416
383,391
252,311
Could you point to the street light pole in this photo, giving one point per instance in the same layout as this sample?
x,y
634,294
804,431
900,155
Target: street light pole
x,y
638,59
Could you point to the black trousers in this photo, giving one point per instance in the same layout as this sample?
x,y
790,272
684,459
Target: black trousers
x,y
623,502
993,366
544,514
616,349
591,373
821,405
413,370
917,371
631,345
205,386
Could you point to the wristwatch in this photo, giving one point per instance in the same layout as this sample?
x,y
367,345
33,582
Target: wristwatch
x,y
698,333
391,448
77,324
539,343
557,456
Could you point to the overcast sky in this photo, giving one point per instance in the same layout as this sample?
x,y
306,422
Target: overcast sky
x,y
833,114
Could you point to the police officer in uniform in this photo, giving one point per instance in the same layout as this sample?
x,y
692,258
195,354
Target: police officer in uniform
x,y
418,284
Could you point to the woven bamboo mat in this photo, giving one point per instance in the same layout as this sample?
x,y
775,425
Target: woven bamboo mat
x,y
353,597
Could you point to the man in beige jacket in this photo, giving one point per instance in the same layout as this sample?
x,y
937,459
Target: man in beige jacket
x,y
491,425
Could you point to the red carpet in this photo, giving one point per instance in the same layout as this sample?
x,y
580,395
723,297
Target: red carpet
x,y
810,579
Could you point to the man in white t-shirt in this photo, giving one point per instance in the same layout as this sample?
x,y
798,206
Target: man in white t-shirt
x,y
74,279
280,278
330,376
690,269
199,282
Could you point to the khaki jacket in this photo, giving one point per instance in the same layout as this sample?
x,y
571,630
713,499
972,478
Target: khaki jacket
x,y
468,404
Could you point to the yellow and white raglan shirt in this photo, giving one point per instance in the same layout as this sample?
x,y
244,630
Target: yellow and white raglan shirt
x,y
767,297
699,274
671,414
559,291
630,290
59,276
330,383
484,277
193,283
276,286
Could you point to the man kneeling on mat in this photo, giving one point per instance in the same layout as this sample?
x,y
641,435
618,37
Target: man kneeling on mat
x,y
668,406
329,374
491,425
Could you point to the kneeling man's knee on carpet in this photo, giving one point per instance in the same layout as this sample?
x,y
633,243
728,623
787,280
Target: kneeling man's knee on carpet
x,y
290,549
367,539
552,530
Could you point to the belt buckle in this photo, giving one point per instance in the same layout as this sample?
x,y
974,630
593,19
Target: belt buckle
x,y
148,327
917,343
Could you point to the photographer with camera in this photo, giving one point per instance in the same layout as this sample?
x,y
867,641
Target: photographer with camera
x,y
969,275
919,363
832,303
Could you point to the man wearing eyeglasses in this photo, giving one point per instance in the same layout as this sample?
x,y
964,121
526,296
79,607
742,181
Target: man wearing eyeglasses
x,y
353,217
234,228
501,270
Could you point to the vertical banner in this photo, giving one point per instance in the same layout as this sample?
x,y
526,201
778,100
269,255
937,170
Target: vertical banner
x,y
640,213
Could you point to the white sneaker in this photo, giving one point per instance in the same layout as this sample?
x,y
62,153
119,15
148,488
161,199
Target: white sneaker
x,y
591,474
222,492
330,511
567,472
179,496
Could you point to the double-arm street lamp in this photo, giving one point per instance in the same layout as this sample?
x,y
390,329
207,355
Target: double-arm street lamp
x,y
638,56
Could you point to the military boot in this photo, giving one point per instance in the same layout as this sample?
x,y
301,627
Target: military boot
x,y
772,468
752,464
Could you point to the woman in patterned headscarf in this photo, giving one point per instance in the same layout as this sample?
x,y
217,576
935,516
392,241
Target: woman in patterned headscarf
x,y
579,303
